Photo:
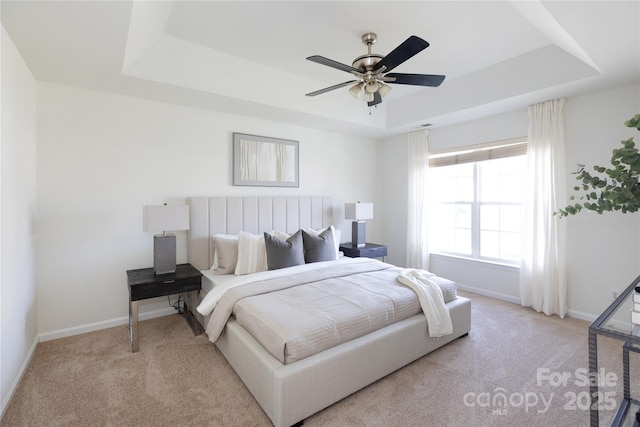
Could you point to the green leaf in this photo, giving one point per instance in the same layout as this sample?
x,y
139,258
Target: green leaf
x,y
622,193
633,122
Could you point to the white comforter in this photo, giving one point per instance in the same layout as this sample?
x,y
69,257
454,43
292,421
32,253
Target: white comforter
x,y
209,302
320,305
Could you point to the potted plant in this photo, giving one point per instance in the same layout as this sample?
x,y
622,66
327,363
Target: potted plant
x,y
615,188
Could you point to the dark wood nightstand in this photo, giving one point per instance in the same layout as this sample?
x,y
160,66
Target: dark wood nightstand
x,y
144,283
369,250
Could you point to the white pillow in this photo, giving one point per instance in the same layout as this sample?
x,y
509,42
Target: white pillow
x,y
281,235
337,236
252,256
225,253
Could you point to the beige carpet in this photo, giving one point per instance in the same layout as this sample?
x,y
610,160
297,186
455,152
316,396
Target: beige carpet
x,y
178,379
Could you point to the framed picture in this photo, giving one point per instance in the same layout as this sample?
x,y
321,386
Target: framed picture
x,y
264,161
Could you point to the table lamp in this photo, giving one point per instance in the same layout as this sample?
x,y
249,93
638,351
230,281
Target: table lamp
x,y
163,218
358,212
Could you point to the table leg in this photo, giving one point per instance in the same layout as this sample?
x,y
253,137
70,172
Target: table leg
x,y
188,315
625,370
593,372
133,326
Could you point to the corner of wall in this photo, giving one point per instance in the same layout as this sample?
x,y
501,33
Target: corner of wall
x,y
17,212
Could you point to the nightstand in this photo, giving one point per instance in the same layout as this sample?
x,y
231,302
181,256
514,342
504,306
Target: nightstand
x,y
369,250
144,283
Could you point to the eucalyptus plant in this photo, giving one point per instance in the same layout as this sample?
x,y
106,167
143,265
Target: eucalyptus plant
x,y
615,188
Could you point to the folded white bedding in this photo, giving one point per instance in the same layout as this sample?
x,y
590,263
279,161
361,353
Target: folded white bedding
x,y
431,300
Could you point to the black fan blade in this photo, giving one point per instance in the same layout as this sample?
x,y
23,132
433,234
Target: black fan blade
x,y
416,79
406,50
330,88
377,99
331,63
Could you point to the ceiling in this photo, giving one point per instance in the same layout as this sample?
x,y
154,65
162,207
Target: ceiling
x,y
248,57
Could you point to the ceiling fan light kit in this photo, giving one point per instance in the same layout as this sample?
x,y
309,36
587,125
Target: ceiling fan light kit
x,y
384,89
356,89
370,70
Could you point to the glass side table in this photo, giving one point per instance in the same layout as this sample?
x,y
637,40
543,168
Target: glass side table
x,y
615,322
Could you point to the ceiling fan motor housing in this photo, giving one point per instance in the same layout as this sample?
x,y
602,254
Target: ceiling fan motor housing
x,y
370,70
367,62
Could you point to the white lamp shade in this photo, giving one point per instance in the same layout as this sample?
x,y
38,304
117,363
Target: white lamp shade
x,y
384,89
372,86
165,218
358,211
356,89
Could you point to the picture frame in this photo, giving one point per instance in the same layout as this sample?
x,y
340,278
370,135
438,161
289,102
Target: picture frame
x,y
264,161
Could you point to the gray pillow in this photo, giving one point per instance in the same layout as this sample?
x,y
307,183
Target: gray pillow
x,y
319,248
281,253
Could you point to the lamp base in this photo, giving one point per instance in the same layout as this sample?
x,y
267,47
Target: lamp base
x,y
358,234
164,253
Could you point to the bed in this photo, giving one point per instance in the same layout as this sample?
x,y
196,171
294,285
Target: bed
x,y
292,382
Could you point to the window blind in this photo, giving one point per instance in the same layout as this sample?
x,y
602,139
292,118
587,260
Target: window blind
x,y
476,153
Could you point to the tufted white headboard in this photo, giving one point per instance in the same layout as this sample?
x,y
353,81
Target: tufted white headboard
x,y
229,215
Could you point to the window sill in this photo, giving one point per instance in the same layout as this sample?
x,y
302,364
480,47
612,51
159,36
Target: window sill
x,y
477,262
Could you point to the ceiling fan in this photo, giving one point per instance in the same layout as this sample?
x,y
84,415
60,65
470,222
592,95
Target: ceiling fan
x,y
370,70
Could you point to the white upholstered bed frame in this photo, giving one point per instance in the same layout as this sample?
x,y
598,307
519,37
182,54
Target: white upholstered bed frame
x,y
290,393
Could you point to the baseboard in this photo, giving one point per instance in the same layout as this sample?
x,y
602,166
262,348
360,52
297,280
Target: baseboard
x,y
21,372
496,295
77,330
571,313
581,315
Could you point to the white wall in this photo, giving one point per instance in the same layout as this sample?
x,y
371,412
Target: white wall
x,y
603,250
101,157
17,199
393,171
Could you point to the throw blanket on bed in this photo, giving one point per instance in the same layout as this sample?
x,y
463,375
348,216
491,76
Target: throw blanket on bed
x,y
431,300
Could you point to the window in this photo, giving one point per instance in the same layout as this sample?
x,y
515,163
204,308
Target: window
x,y
476,202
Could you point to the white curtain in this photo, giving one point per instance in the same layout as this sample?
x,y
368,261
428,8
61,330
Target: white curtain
x,y
417,249
543,283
